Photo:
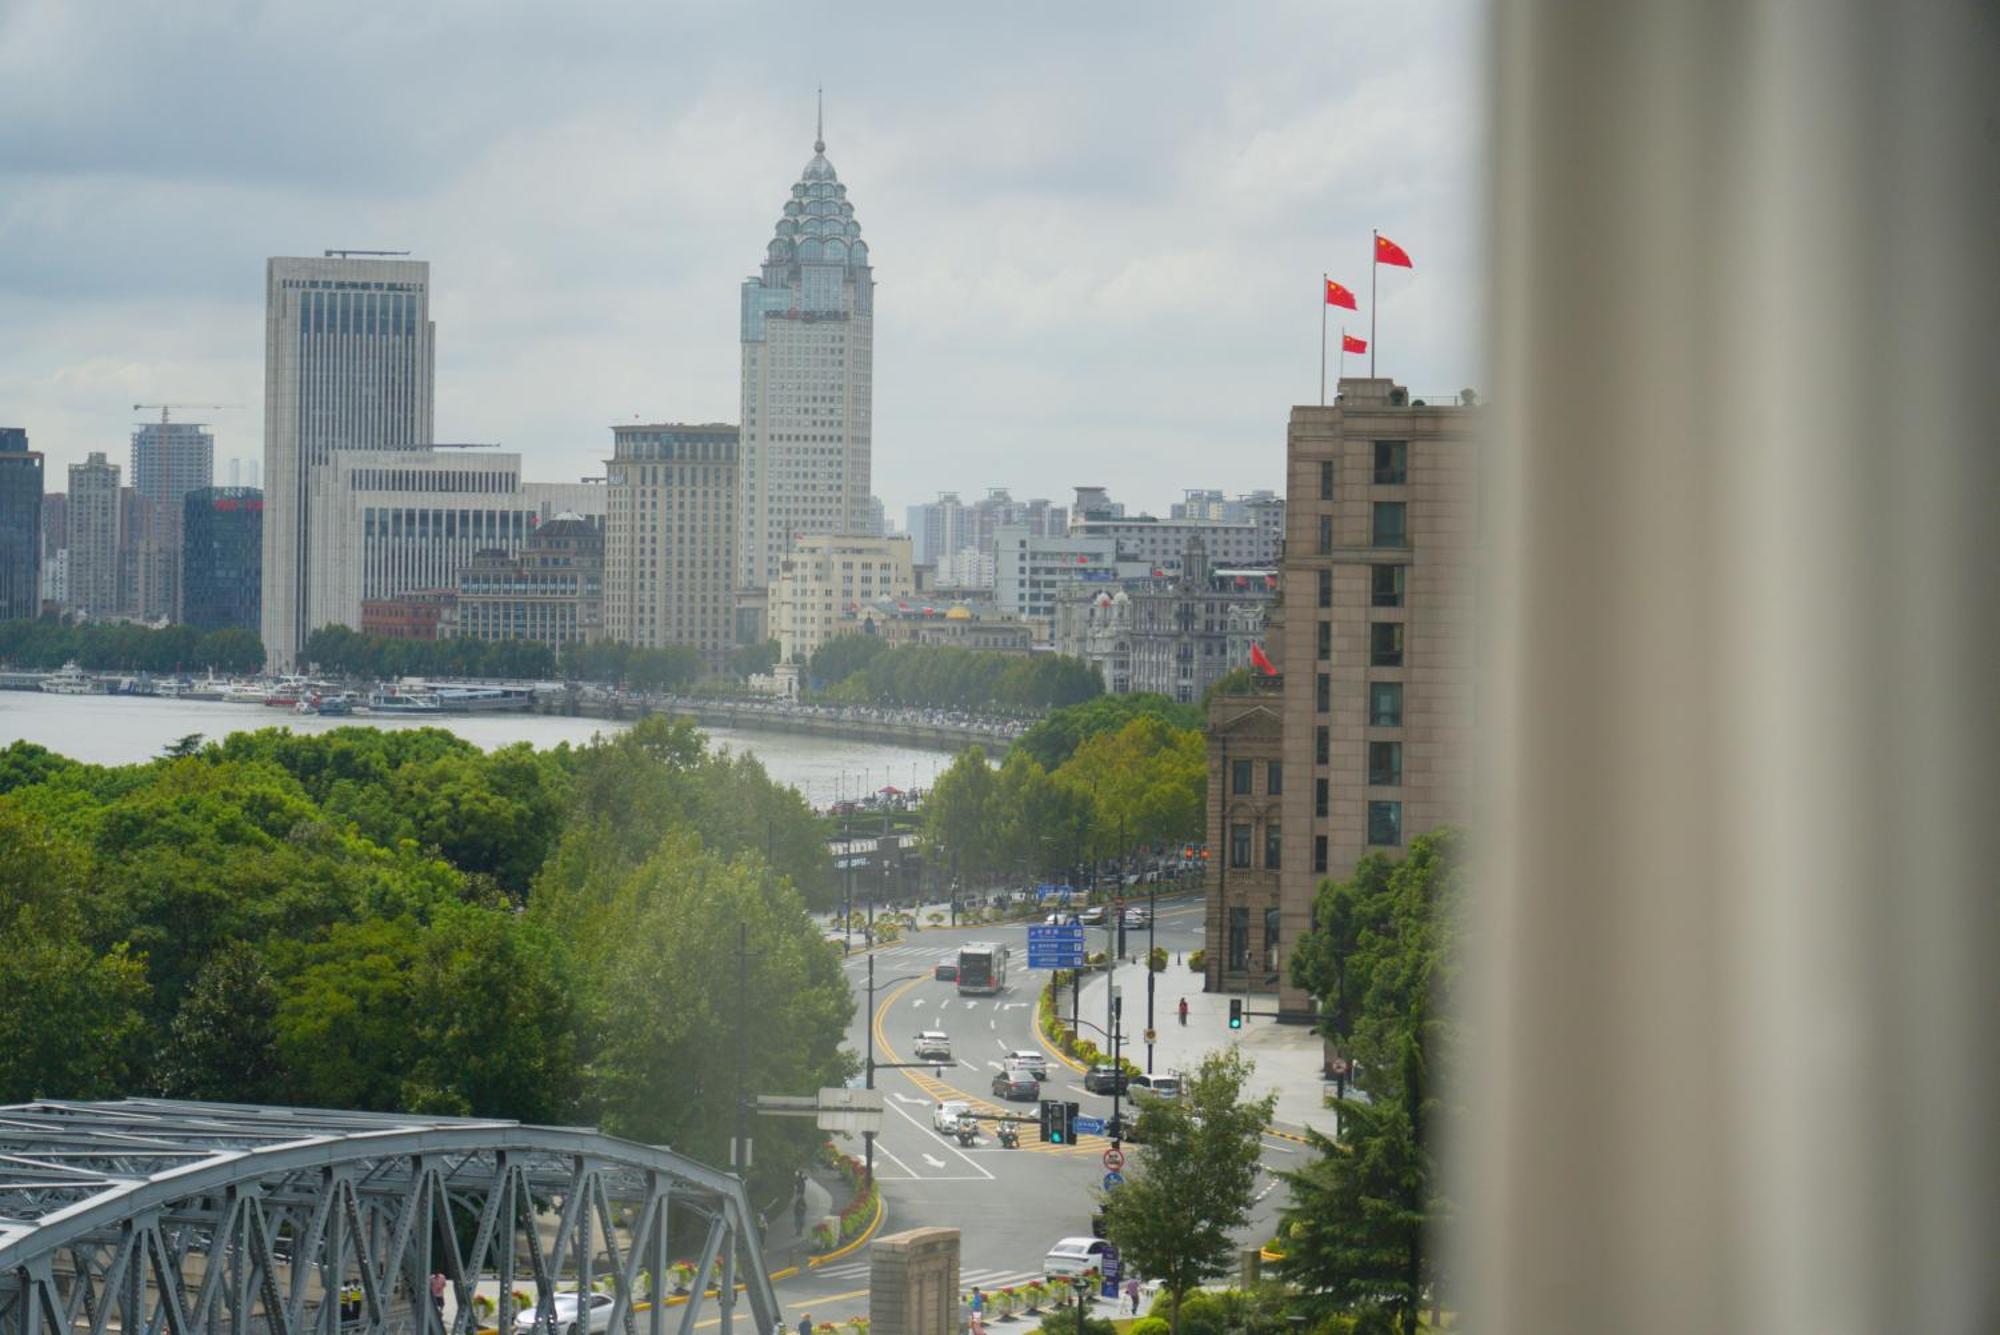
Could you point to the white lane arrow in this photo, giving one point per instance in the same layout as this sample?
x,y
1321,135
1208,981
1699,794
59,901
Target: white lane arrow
x,y
941,1004
1015,1006
970,1004
933,1161
907,1098
916,1001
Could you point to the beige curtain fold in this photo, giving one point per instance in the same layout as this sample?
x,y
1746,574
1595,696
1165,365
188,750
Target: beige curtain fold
x,y
1736,1002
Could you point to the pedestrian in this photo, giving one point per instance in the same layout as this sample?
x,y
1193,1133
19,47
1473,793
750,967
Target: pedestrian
x,y
437,1291
806,1324
1183,1009
763,1226
978,1303
1132,1294
799,1215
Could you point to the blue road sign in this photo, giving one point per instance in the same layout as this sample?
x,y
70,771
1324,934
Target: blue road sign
x,y
1090,1126
1112,1272
1055,946
1114,1178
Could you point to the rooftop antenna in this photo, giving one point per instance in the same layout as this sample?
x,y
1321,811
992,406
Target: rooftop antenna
x,y
345,254
819,123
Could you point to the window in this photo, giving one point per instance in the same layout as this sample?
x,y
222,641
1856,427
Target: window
x,y
1385,764
1239,940
1323,692
1325,588
1385,824
1325,640
1392,462
1320,739
1239,777
1319,853
1273,846
1271,938
1392,524
1320,787
1386,585
1274,777
1385,704
1326,480
1385,644
1326,535
1239,845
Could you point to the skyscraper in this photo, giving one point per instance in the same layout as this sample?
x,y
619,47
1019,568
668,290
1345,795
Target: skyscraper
x,y
670,537
169,460
808,367
348,361
93,536
222,536
20,526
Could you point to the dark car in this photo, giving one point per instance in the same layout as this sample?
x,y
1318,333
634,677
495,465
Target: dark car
x,y
946,970
1104,1080
1016,1084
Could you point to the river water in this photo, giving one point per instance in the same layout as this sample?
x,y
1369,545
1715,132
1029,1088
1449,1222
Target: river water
x,y
124,729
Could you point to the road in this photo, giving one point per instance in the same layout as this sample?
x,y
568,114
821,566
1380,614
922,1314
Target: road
x,y
1010,1205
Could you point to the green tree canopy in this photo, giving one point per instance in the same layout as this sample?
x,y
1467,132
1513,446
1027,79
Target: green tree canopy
x,y
1055,738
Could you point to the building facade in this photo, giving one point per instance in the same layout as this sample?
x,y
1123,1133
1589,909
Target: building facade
x,y
93,521
825,583
390,522
807,328
552,592
1160,542
1029,570
1377,656
20,526
416,615
348,366
222,558
1250,921
672,537
169,460
955,626
1177,635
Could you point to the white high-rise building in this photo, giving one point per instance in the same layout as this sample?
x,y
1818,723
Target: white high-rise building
x,y
670,537
94,512
348,360
808,367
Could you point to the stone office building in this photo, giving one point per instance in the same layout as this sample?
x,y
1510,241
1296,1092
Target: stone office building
x,y
551,593
1175,634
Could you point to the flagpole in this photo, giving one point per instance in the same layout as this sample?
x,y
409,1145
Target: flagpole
x,y
1322,338
1343,352
1374,244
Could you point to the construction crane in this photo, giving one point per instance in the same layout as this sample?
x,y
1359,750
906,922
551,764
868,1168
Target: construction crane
x,y
464,445
168,408
348,254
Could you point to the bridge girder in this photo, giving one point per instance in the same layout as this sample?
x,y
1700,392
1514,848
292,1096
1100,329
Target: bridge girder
x,y
173,1218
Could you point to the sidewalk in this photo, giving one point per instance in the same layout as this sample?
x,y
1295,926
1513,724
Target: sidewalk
x,y
1289,1057
785,1245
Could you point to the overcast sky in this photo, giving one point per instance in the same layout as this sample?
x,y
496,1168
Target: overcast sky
x,y
1097,229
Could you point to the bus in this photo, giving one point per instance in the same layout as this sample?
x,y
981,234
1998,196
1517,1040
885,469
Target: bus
x,y
982,968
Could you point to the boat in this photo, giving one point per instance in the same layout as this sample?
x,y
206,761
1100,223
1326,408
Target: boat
x,y
326,705
482,699
70,679
288,692
391,700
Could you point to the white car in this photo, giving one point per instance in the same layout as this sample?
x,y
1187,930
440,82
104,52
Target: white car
x,y
565,1315
946,1116
933,1045
1136,916
1092,915
1166,1085
1035,1063
1073,1256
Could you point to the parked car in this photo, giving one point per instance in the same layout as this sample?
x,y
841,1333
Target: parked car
x,y
1031,1060
1073,1256
946,970
1166,1085
1012,1082
1104,1080
946,1116
933,1045
565,1314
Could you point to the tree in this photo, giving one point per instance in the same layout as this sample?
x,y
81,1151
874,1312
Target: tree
x,y
961,816
752,659
1383,959
222,1045
1055,738
843,656
1176,1216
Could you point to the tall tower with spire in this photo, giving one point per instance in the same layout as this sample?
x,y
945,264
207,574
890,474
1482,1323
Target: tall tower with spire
x,y
808,325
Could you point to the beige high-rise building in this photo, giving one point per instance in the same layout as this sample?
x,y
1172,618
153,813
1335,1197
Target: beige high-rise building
x,y
671,537
94,514
807,328
825,584
1372,733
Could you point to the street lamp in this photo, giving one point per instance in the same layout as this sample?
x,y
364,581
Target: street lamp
x,y
868,1025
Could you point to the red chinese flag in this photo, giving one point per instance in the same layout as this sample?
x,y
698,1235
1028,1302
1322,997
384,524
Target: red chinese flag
x,y
1263,663
1349,343
1388,252
1336,295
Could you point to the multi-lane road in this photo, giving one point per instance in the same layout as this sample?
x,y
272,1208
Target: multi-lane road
x,y
1010,1204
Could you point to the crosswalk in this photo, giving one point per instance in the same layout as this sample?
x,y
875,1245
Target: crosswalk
x,y
984,1278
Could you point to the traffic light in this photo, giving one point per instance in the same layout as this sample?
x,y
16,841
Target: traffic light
x,y
1052,1123
1098,1220
1236,1012
1069,1112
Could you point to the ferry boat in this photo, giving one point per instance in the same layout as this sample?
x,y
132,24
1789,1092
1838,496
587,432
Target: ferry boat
x,y
327,705
406,700
288,692
482,699
70,680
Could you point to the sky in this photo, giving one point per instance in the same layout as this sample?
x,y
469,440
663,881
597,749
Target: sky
x,y
1098,230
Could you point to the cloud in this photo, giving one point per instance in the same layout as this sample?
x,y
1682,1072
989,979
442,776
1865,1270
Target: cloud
x,y
1097,230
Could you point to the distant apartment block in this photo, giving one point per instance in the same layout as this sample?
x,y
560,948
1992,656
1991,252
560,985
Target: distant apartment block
x,y
827,581
222,558
93,519
672,543
20,526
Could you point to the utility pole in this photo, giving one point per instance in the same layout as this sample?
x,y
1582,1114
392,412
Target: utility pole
x,y
868,1137
1152,916
1117,1080
740,1151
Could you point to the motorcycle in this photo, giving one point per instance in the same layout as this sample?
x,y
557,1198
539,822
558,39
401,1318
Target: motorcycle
x,y
1010,1139
967,1130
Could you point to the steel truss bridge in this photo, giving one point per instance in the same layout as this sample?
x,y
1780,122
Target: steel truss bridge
x,y
152,1217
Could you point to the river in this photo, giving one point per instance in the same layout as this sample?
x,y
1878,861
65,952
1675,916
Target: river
x,y
125,729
